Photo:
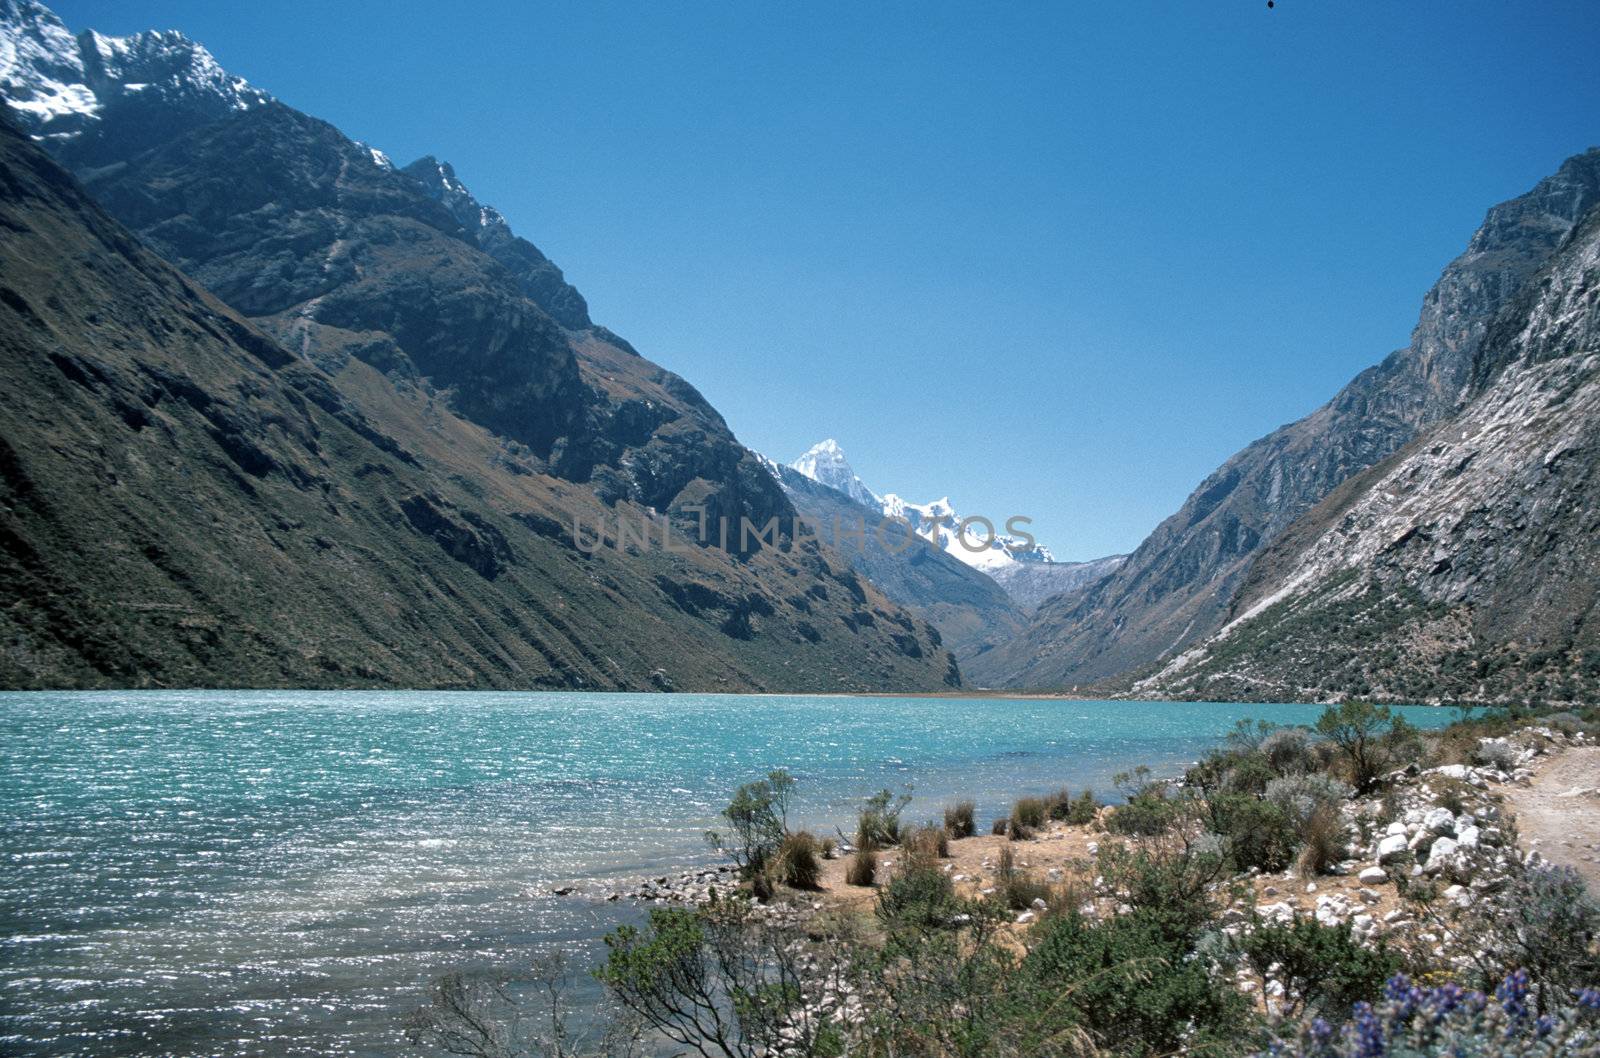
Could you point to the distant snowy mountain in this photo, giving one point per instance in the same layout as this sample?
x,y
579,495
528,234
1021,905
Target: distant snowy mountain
x,y
936,522
64,86
825,464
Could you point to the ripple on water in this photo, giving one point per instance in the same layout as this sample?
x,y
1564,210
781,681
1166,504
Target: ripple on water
x,y
250,873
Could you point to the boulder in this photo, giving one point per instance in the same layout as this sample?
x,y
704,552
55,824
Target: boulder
x,y
1440,821
1391,848
1373,876
1443,852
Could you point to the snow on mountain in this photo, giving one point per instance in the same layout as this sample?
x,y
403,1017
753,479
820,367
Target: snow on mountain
x,y
986,547
825,464
60,83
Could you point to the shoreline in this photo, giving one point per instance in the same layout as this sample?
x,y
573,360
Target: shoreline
x,y
1472,849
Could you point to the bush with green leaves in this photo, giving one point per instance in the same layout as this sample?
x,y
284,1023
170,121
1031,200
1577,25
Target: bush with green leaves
x,y
1255,832
721,981
919,896
1544,921
1324,969
1372,740
878,826
757,820
1076,811
1134,983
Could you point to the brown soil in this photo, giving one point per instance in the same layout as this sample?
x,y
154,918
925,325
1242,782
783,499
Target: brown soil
x,y
1558,813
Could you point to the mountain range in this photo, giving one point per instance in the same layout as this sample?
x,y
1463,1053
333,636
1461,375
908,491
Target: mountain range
x,y
319,420
281,412
962,600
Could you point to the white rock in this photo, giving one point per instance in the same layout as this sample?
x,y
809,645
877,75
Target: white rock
x,y
1039,904
1391,848
1396,827
1440,821
1443,852
1373,876
1026,917
1468,837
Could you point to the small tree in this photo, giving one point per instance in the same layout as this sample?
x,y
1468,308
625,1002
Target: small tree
x,y
879,824
755,826
1371,738
780,786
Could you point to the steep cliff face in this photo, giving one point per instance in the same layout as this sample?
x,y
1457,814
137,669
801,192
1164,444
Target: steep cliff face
x,y
461,352
1178,586
1466,566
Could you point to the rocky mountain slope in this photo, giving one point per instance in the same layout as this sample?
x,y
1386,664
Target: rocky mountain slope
x,y
972,612
1178,587
1467,565
494,413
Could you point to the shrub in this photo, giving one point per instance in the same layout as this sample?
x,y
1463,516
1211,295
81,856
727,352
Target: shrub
x,y
1029,813
1566,723
1450,793
799,863
1256,833
1014,887
1371,740
1325,839
931,842
1144,815
1495,753
1302,796
863,869
878,826
1249,774
1138,989
1174,885
1323,968
1000,827
1544,922
1288,751
1076,811
755,823
919,895
958,819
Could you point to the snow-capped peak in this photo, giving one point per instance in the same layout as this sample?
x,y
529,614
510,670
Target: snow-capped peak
x,y
60,83
982,544
825,463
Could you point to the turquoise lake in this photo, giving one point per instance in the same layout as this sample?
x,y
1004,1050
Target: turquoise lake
x,y
282,872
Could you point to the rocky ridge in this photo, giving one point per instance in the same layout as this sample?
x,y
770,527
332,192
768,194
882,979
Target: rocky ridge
x,y
1465,566
1182,584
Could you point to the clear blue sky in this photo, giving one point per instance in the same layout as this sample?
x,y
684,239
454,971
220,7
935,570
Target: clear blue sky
x,y
1051,259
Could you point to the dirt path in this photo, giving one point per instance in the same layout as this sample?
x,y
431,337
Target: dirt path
x,y
1559,812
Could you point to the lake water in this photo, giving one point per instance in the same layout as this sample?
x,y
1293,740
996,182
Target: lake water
x,y
258,872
